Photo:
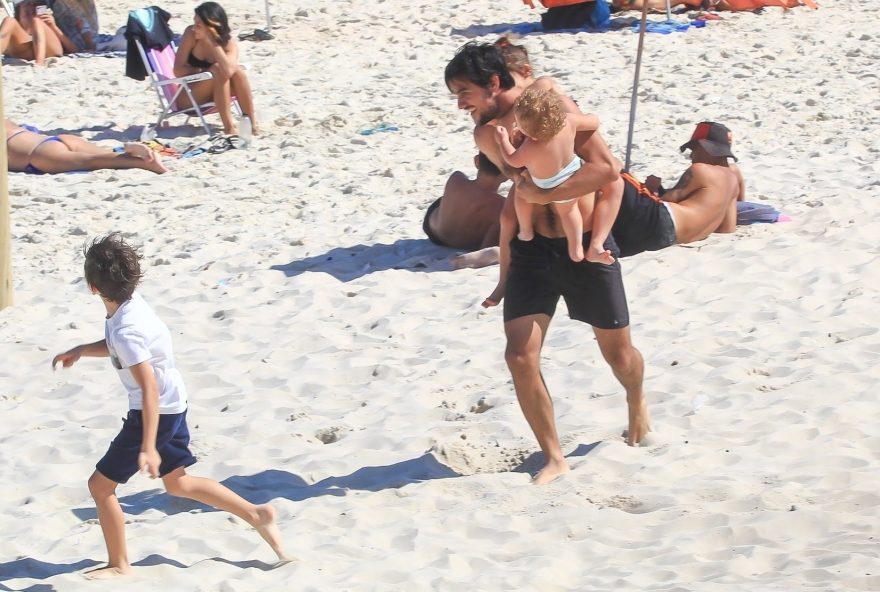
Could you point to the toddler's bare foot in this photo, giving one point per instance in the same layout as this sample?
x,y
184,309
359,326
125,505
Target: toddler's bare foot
x,y
525,235
107,573
576,253
268,529
599,254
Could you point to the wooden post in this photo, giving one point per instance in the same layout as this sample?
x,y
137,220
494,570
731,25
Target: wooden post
x,y
5,225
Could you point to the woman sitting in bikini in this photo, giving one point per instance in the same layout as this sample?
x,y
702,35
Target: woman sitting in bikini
x,y
29,36
29,151
208,46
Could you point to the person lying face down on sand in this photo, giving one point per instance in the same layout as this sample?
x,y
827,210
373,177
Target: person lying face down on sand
x,y
29,151
30,36
208,46
154,436
537,273
483,86
703,200
547,152
476,201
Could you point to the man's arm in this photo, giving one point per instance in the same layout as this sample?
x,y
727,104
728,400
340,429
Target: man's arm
x,y
599,168
690,182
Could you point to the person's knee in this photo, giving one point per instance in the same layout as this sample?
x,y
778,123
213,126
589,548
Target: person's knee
x,y
623,358
100,486
521,356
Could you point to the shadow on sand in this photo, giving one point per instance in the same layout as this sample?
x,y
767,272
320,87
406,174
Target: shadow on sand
x,y
34,569
350,263
533,463
272,483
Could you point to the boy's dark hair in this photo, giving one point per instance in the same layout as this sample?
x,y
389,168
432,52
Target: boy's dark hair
x,y
477,63
484,165
113,267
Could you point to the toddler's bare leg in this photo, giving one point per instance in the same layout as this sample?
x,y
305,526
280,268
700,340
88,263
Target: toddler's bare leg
x,y
209,492
573,225
524,218
112,521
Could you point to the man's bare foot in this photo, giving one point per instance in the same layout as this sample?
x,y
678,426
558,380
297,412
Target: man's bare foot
x,y
599,254
477,259
107,573
551,471
152,160
268,529
639,420
494,299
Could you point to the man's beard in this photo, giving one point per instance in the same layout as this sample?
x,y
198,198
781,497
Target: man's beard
x,y
488,116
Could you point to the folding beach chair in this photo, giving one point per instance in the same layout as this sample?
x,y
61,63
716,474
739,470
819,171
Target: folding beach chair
x,y
159,64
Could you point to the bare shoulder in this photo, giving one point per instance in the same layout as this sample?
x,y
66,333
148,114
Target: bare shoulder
x,y
484,136
545,83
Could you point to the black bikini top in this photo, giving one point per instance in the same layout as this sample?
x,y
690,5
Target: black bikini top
x,y
197,63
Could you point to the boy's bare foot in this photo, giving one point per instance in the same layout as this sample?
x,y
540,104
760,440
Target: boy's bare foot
x,y
576,253
476,259
107,573
268,529
152,160
551,471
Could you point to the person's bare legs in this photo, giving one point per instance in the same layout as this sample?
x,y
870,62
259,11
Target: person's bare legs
x,y
629,368
15,41
212,493
241,88
477,259
112,521
525,337
46,42
573,226
58,157
222,95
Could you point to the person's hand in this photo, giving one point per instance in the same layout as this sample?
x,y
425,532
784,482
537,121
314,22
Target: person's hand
x,y
149,461
501,135
68,358
527,190
653,183
48,20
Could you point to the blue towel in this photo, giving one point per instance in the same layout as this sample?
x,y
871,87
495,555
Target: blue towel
x,y
662,27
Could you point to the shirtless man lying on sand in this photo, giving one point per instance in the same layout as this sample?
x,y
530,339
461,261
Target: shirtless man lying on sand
x,y
31,152
650,218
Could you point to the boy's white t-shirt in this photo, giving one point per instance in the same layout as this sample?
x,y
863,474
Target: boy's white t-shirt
x,y
135,334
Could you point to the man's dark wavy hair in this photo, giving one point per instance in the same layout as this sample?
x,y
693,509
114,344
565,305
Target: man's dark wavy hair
x,y
113,267
477,63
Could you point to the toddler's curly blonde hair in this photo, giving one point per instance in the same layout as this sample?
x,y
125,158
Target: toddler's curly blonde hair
x,y
540,113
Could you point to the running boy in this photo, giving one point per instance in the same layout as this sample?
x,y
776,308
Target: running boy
x,y
548,153
154,437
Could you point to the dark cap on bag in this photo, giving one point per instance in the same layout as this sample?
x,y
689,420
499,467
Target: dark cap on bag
x,y
713,137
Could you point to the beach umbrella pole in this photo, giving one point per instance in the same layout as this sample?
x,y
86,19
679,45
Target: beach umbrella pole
x,y
634,100
5,224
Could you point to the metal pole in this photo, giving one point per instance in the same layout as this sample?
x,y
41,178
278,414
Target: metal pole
x,y
632,106
5,224
668,10
269,18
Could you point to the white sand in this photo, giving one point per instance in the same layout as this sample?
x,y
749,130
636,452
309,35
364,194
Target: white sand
x,y
290,276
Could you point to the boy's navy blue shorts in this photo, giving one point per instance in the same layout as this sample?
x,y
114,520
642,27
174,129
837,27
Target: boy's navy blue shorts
x,y
172,442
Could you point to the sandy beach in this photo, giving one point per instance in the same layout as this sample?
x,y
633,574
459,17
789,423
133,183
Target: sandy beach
x,y
341,370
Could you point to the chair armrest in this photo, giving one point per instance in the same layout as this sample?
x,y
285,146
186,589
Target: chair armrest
x,y
186,79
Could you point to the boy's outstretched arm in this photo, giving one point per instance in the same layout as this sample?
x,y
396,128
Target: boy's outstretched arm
x,y
97,349
149,457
